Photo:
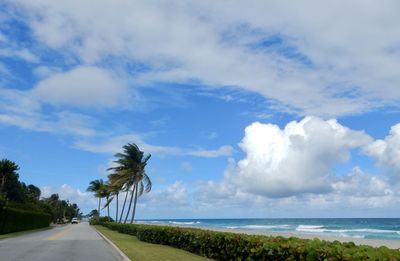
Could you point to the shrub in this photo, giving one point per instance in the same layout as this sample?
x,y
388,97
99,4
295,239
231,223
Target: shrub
x,y
231,246
13,220
96,221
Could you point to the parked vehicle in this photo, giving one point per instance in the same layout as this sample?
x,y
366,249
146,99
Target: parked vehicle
x,y
74,221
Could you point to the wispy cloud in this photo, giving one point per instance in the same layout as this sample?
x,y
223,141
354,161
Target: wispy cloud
x,y
302,60
114,145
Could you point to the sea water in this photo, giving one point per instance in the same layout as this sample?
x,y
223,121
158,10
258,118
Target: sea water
x,y
374,228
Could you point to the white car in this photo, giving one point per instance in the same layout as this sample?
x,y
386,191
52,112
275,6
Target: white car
x,y
74,221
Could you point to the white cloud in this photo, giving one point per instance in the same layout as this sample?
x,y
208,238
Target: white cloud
x,y
311,64
82,86
169,202
23,54
114,145
18,108
84,200
296,159
351,195
359,184
175,194
386,151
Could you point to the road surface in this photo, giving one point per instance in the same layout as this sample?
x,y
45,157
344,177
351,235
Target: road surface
x,y
65,243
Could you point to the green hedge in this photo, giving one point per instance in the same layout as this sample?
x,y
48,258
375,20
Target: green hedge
x,y
231,246
13,220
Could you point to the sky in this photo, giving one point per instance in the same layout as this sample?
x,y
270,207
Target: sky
x,y
250,109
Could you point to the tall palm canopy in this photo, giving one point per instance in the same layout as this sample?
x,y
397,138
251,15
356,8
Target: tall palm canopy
x,y
129,174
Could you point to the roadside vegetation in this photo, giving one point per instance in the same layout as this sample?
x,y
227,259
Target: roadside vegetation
x,y
128,178
233,246
23,208
138,250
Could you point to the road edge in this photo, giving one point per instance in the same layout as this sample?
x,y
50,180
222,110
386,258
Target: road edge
x,y
120,253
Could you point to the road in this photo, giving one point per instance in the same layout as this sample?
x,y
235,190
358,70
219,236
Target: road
x,y
64,243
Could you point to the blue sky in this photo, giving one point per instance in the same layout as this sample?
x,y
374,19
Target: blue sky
x,y
256,109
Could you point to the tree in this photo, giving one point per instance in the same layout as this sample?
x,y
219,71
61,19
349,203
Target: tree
x,y
115,187
33,192
142,185
97,187
106,193
93,213
130,174
7,168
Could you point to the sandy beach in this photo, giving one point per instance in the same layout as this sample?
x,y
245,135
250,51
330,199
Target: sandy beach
x,y
394,244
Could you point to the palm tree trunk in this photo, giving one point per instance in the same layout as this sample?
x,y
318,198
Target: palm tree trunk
x,y
116,212
134,206
130,204
98,210
123,207
108,210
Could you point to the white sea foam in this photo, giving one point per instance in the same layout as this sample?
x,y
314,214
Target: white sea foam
x,y
230,227
266,226
310,229
355,233
184,223
379,231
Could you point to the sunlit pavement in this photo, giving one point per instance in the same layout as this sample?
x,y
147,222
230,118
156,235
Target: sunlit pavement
x,y
69,243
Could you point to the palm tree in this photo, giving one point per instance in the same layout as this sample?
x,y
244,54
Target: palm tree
x,y
130,172
115,187
97,187
106,193
142,185
7,167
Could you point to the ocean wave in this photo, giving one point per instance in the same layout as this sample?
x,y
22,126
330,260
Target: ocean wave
x,y
345,232
377,231
231,227
184,223
310,228
266,226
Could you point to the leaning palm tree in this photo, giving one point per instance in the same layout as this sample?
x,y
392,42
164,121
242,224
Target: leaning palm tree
x,y
106,193
142,185
130,172
119,183
115,187
96,186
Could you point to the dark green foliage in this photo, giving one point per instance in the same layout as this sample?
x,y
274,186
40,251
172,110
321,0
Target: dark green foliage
x,y
13,220
20,204
231,246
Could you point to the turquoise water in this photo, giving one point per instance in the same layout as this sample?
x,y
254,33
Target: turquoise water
x,y
376,228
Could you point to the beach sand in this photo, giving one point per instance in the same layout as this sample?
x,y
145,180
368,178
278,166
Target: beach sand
x,y
394,244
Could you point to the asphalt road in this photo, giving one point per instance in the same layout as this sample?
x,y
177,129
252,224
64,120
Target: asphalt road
x,y
65,243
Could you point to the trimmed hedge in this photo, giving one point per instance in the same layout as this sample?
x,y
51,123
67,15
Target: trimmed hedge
x,y
231,246
14,220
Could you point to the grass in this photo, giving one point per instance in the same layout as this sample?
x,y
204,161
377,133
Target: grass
x,y
20,233
138,250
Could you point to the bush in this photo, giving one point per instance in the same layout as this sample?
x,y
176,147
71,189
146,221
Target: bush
x,y
231,246
13,220
96,221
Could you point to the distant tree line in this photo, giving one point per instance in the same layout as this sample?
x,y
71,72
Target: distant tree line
x,y
15,194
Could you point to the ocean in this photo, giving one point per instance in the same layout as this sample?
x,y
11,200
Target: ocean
x,y
373,228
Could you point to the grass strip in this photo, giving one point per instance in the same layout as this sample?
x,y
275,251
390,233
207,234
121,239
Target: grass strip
x,y
20,233
138,250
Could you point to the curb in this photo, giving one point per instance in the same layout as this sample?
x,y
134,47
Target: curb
x,y
120,253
